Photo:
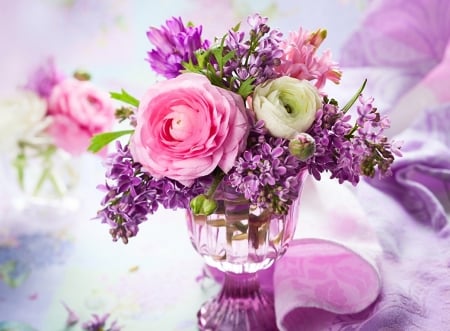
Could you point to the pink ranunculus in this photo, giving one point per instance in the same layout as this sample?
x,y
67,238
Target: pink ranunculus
x,y
186,127
78,110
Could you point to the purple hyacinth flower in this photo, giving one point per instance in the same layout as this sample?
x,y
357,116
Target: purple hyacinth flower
x,y
174,44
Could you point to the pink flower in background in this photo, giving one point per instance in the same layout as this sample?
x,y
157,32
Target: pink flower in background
x,y
187,127
300,60
78,110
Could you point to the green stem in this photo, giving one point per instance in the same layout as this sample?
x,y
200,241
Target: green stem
x,y
252,48
241,227
27,144
350,134
45,174
216,181
58,188
20,164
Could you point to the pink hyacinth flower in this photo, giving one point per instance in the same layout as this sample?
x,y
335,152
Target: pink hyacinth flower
x,y
301,61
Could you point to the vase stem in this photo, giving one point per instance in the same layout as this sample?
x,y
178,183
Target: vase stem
x,y
240,285
241,305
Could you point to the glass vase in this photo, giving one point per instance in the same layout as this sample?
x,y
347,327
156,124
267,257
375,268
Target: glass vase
x,y
240,239
45,180
40,183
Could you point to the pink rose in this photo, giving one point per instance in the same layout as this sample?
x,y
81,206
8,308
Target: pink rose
x,y
186,127
78,110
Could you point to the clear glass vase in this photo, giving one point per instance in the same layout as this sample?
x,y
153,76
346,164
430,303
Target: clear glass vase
x,y
45,180
239,240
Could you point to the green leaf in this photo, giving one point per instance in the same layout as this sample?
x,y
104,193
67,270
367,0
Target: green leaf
x,y
199,67
218,55
101,140
354,98
125,97
202,58
228,56
246,87
191,67
236,27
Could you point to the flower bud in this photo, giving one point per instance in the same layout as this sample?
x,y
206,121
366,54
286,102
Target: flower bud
x,y
302,146
81,75
202,205
317,37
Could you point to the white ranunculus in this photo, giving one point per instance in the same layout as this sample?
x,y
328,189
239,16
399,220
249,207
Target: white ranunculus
x,y
286,105
22,118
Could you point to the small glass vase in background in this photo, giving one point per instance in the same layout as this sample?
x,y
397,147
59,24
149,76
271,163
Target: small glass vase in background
x,y
239,240
45,178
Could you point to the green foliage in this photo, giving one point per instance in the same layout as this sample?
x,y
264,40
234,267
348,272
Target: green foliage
x,y
125,97
246,87
101,140
354,98
212,62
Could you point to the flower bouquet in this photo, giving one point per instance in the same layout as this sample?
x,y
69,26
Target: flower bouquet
x,y
51,119
229,136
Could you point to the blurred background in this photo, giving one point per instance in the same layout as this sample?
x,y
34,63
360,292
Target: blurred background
x,y
55,259
108,38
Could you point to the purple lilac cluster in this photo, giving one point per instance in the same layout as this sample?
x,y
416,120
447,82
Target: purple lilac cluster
x,y
177,44
267,174
347,150
98,323
380,152
132,194
256,57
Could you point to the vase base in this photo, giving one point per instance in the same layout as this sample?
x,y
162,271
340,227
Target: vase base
x,y
238,309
